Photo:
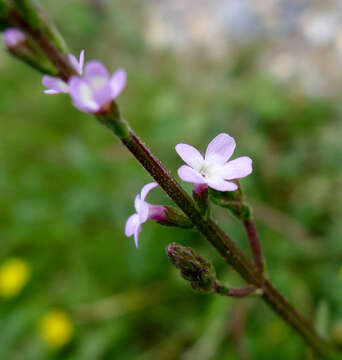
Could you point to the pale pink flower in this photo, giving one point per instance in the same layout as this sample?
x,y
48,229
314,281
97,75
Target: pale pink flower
x,y
213,169
96,89
133,224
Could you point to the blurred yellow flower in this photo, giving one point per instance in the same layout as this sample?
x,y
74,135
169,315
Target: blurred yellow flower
x,y
56,328
14,274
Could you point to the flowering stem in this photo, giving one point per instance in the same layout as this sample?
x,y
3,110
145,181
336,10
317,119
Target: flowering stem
x,y
228,249
209,229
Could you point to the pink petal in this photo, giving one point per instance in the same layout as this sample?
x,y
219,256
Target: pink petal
x,y
237,168
137,202
96,74
190,155
143,212
146,189
51,92
74,62
136,235
55,84
222,185
220,149
131,225
188,174
103,95
81,61
118,82
142,208
81,95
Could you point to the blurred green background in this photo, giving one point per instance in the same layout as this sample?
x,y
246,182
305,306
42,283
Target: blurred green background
x,y
72,286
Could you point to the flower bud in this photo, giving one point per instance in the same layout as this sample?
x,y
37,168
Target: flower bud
x,y
200,195
194,268
22,48
169,216
14,38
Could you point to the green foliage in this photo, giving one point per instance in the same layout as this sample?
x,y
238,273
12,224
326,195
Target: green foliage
x,y
67,188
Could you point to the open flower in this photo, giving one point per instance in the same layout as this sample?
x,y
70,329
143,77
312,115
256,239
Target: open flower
x,y
96,89
133,224
56,85
213,169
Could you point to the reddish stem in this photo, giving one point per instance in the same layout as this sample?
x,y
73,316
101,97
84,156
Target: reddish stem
x,y
254,244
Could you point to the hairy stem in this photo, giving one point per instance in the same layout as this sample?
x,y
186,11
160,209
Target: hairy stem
x,y
207,227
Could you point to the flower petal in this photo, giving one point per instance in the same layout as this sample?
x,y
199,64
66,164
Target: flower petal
x,y
95,74
55,84
118,82
131,225
136,235
77,64
188,174
142,208
51,92
222,185
190,155
137,202
143,212
237,168
81,95
103,95
146,189
81,62
220,149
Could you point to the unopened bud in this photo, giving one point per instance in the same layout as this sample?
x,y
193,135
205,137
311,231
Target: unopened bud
x,y
169,216
14,38
22,48
200,194
193,267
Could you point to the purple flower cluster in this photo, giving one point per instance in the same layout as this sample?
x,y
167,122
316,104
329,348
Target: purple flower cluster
x,y
93,89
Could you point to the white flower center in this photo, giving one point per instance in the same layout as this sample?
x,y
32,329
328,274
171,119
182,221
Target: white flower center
x,y
86,95
97,82
206,169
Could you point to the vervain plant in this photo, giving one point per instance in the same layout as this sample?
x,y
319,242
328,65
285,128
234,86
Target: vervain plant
x,y
31,37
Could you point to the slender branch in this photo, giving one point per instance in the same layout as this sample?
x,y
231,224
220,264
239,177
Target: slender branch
x,y
59,60
222,289
209,229
254,243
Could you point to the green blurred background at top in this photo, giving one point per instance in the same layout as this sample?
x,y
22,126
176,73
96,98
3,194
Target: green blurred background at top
x,y
269,74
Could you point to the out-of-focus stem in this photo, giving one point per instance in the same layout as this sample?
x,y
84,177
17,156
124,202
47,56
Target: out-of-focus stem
x,y
59,60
